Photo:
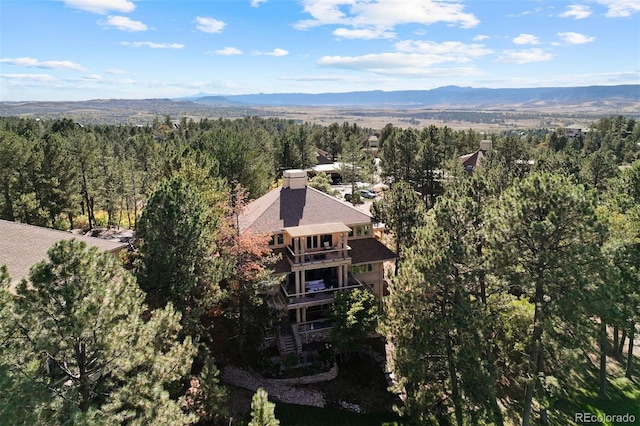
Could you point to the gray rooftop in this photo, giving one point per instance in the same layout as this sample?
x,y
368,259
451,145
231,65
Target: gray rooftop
x,y
22,246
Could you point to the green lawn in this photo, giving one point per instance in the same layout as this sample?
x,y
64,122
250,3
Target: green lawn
x,y
623,396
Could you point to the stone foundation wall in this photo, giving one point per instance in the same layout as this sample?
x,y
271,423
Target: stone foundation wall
x,y
316,336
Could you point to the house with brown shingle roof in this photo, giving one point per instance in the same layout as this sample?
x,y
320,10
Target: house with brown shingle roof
x,y
22,246
326,246
472,161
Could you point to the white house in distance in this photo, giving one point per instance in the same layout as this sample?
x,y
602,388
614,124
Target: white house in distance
x,y
326,246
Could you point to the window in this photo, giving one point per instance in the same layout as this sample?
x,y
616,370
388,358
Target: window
x,y
366,230
312,242
277,239
362,269
326,238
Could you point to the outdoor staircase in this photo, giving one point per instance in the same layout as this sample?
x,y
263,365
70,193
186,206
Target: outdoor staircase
x,y
287,345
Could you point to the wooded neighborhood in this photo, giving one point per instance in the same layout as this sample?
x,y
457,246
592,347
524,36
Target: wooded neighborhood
x,y
491,278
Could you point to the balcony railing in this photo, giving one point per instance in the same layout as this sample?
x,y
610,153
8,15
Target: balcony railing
x,y
315,256
320,294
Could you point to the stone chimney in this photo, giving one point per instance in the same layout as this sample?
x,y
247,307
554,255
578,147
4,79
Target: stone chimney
x,y
294,179
486,145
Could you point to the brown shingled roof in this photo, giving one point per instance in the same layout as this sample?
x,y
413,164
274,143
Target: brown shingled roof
x,y
474,159
284,207
22,246
368,250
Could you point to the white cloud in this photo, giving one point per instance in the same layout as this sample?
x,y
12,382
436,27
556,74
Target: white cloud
x,y
535,11
277,52
526,39
524,56
453,50
124,23
363,33
413,58
256,3
152,45
115,71
128,81
88,78
576,11
384,13
322,77
481,37
228,51
620,8
35,63
209,25
101,7
398,63
29,77
274,52
575,38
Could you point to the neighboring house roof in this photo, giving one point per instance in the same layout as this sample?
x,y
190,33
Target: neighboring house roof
x,y
322,157
368,250
473,160
285,207
22,246
328,168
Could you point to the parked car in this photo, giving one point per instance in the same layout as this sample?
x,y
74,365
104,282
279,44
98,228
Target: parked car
x,y
347,196
367,193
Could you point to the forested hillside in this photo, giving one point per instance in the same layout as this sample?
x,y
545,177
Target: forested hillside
x,y
515,297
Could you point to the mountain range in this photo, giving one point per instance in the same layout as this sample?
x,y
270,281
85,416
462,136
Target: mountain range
x,y
588,102
442,96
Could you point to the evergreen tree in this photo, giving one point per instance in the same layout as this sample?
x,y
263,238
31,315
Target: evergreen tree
x,y
321,182
544,239
13,157
621,212
429,160
444,358
402,211
352,160
176,263
354,314
78,346
262,411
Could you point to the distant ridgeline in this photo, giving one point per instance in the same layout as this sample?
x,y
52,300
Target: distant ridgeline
x,y
449,95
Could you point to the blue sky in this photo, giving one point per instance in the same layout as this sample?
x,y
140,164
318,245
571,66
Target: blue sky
x,y
89,49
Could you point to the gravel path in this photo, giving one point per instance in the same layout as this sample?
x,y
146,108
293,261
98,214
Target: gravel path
x,y
285,393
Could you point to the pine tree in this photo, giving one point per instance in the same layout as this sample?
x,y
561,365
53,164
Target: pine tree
x,y
437,316
544,240
79,346
176,263
402,211
262,411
